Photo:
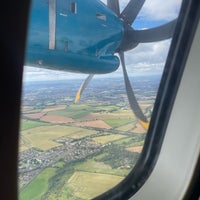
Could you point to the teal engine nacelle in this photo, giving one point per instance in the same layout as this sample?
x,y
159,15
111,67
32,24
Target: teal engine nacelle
x,y
78,36
58,60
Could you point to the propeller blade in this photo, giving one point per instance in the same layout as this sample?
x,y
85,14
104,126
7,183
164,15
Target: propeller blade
x,y
83,86
131,11
153,34
114,6
131,96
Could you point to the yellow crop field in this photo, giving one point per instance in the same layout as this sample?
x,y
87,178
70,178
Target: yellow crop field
x,y
108,138
89,185
81,132
126,127
43,137
118,114
94,124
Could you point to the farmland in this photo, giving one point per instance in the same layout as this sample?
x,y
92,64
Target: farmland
x,y
38,186
108,138
82,183
66,148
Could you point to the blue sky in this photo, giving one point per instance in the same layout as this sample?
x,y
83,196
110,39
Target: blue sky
x,y
145,59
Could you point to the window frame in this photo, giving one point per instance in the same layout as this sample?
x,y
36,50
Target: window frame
x,y
14,44
170,81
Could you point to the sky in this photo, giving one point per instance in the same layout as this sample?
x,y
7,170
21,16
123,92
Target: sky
x,y
145,59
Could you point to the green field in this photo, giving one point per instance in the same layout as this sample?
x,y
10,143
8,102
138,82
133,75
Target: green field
x,y
136,140
73,111
99,167
105,108
108,138
81,110
38,186
123,141
114,123
28,124
126,127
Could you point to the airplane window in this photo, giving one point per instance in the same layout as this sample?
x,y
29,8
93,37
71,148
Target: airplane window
x,y
78,145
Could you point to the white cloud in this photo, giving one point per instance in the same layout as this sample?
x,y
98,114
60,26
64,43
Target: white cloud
x,y
40,74
161,10
147,57
156,9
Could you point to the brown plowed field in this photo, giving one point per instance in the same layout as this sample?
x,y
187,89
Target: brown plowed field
x,y
56,119
61,107
137,149
91,117
138,129
35,115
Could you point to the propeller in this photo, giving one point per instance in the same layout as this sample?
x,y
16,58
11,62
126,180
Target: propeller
x,y
83,86
131,96
114,6
130,40
131,11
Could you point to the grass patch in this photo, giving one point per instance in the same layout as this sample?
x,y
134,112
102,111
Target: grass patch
x,y
105,108
108,138
118,158
74,114
135,144
114,123
38,186
100,167
73,111
28,124
119,113
137,140
59,164
123,141
58,188
82,110
127,127
93,166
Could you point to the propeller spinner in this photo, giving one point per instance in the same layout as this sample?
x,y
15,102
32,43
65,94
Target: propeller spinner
x,y
130,40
